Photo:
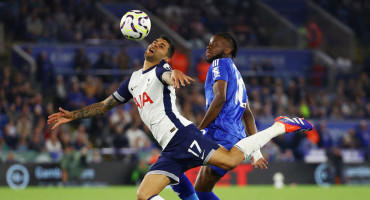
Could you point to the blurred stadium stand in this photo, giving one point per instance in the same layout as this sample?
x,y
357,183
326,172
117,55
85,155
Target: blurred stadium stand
x,y
72,53
293,10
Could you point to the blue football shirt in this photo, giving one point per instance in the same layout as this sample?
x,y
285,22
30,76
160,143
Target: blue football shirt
x,y
229,120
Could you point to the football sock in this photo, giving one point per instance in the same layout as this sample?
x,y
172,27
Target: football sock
x,y
207,196
185,189
191,197
156,197
254,142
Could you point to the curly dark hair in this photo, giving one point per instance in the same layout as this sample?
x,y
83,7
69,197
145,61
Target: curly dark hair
x,y
232,40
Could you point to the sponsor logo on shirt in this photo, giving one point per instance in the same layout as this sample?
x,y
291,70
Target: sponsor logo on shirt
x,y
142,99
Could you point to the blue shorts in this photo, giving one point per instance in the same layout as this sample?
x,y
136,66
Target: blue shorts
x,y
225,139
187,149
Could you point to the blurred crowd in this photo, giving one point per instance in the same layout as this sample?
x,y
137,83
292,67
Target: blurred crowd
x,y
349,101
24,111
197,21
272,96
56,21
353,13
24,106
75,21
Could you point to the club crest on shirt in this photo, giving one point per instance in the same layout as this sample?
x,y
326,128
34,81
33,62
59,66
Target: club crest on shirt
x,y
216,72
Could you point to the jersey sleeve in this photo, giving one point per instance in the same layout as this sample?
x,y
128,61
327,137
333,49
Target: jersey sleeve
x,y
162,68
220,70
122,94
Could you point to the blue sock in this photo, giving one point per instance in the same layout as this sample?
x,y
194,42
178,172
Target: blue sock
x,y
185,189
207,196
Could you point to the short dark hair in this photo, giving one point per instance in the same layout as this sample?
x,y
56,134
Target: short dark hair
x,y
171,48
232,40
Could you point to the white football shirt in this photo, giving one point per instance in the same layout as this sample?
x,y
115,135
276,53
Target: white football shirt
x,y
155,100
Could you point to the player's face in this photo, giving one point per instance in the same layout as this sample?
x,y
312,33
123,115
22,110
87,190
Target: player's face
x,y
157,50
217,48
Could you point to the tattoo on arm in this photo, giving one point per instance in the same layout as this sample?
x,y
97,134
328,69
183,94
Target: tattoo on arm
x,y
110,103
95,109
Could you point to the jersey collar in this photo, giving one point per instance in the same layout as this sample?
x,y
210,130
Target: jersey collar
x,y
152,67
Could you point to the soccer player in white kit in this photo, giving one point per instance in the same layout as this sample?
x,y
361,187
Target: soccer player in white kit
x,y
183,145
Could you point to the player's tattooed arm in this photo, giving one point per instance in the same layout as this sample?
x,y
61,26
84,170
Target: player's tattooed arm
x,y
65,116
175,78
95,109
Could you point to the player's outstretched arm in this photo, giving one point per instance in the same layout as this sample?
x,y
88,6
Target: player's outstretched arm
x,y
64,116
176,77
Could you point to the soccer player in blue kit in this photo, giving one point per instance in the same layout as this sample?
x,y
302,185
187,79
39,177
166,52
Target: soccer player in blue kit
x,y
227,105
183,145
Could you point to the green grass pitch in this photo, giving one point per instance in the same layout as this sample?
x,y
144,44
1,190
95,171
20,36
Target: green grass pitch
x,y
304,192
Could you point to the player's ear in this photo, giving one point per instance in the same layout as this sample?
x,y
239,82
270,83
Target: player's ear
x,y
227,51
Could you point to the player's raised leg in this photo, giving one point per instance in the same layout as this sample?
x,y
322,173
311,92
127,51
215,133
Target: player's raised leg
x,y
151,186
245,147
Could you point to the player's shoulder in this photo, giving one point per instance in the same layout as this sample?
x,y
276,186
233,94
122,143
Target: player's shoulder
x,y
227,62
165,65
162,68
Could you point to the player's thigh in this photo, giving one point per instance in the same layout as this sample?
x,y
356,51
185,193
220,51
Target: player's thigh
x,y
225,159
206,180
152,184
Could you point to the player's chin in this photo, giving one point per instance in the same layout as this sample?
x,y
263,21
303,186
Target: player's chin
x,y
149,57
209,59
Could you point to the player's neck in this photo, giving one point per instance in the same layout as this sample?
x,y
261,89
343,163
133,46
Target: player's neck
x,y
149,64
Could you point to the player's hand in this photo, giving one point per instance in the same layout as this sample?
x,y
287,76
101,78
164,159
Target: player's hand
x,y
61,117
261,163
177,78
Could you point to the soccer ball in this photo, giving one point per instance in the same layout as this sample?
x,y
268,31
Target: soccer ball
x,y
135,25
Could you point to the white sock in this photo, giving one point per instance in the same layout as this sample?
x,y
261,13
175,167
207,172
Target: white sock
x,y
156,197
254,142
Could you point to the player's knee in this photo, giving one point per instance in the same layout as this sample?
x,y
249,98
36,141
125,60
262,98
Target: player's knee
x,y
141,195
